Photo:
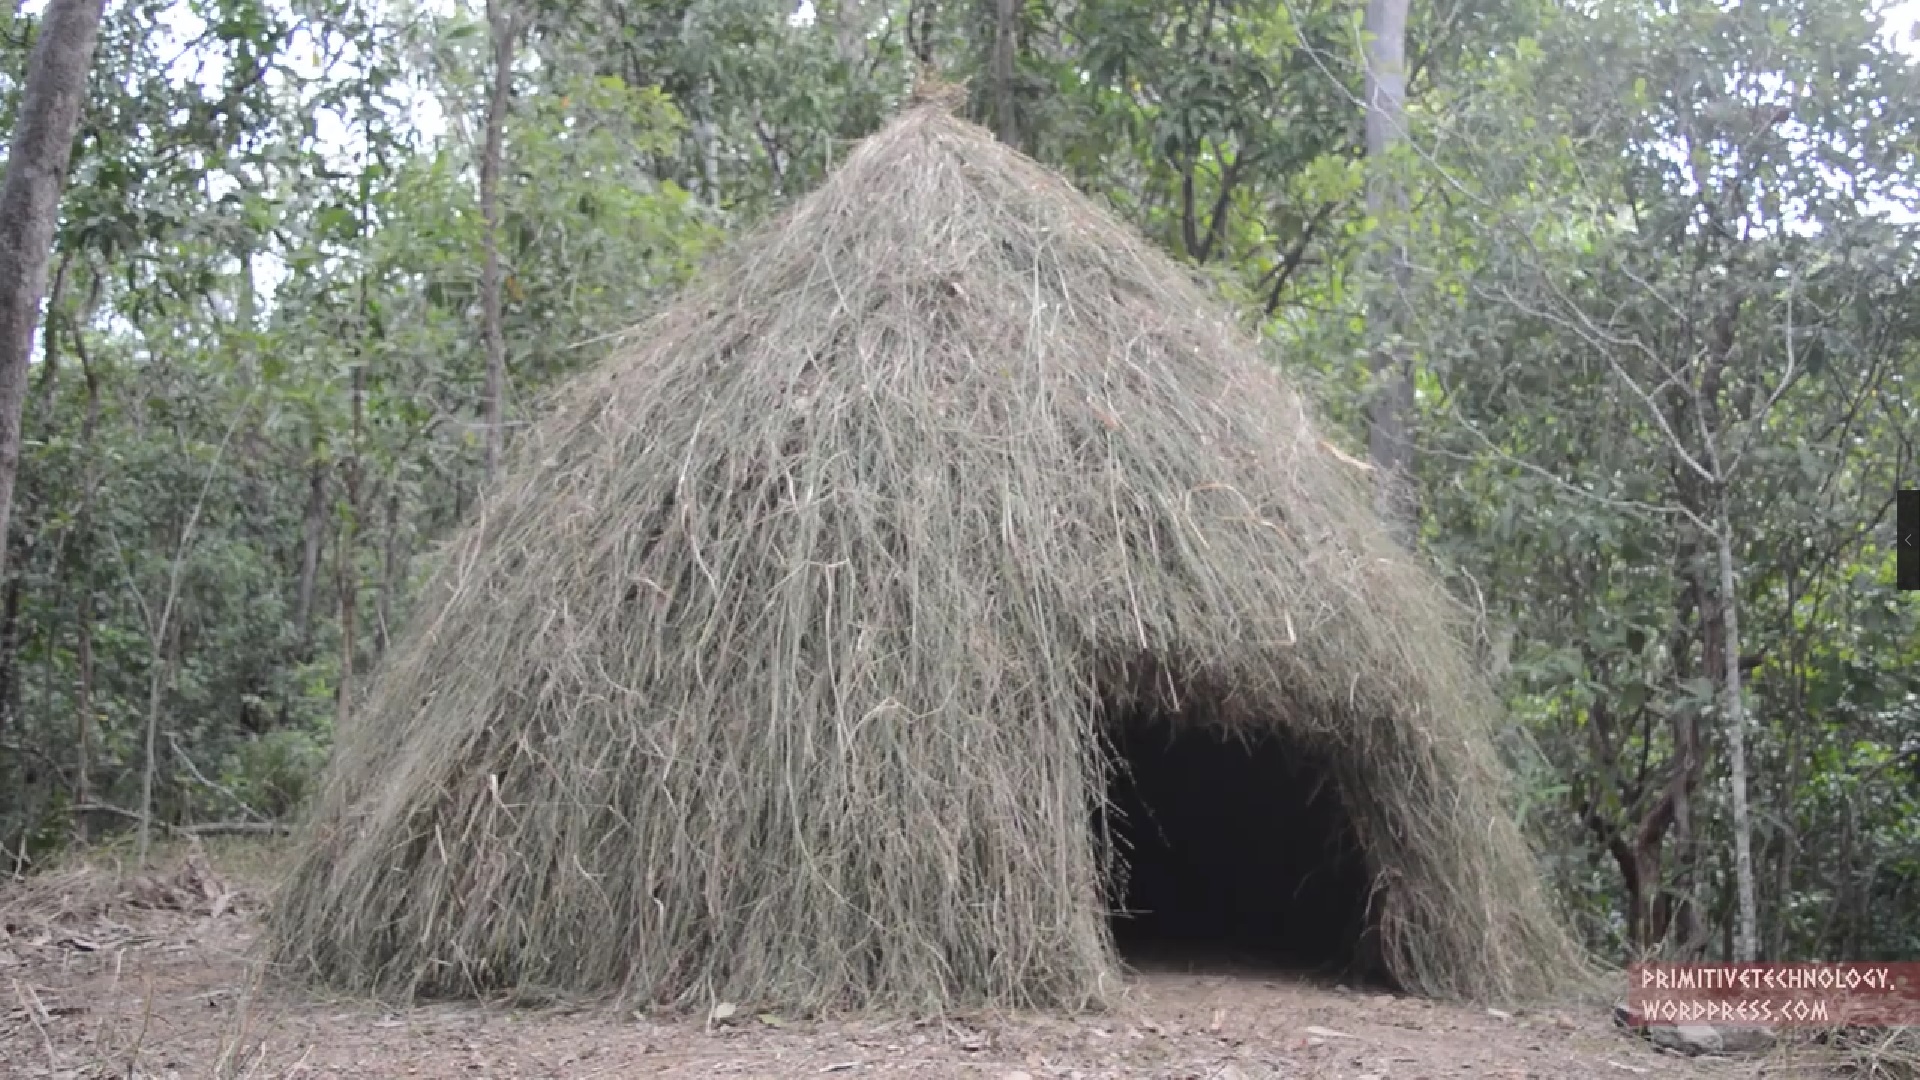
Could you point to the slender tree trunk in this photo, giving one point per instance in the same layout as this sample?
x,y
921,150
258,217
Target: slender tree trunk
x,y
11,676
705,131
50,351
344,559
922,17
83,712
706,136
247,308
349,613
850,31
48,652
1683,934
1715,500
83,543
1006,37
390,569
1680,925
165,648
502,24
39,152
164,624
313,528
1789,825
1746,939
1390,426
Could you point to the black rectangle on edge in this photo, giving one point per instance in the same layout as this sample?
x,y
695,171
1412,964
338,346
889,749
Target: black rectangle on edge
x,y
1908,540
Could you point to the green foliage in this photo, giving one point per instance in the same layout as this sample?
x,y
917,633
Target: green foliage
x,y
266,287
1649,257
272,774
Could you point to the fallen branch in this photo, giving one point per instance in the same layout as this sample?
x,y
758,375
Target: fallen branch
x,y
210,828
235,828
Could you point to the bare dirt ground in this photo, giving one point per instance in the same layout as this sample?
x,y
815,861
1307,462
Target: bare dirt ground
x,y
105,973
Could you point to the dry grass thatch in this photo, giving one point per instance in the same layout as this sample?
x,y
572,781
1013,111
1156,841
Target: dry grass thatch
x,y
771,672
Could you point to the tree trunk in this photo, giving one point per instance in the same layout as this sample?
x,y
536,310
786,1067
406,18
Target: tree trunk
x,y
1746,939
50,352
1679,922
166,627
156,691
1780,940
314,535
1704,490
706,136
166,663
39,152
10,673
850,31
501,25
343,693
349,578
83,538
1390,426
922,17
1684,931
1006,36
83,712
390,571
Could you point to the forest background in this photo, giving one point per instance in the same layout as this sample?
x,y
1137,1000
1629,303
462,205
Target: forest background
x,y
1617,297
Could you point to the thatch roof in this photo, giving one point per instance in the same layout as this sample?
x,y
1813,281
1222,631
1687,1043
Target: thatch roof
x,y
774,669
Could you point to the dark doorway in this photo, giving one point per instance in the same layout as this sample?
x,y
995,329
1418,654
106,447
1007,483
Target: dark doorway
x,y
1230,852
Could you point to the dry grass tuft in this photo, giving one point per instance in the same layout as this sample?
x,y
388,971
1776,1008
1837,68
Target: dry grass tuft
x,y
770,672
1863,1053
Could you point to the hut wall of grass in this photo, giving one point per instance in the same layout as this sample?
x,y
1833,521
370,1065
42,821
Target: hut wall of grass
x,y
778,668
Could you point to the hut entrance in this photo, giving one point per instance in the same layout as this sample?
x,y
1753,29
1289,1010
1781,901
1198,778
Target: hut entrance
x,y
1230,852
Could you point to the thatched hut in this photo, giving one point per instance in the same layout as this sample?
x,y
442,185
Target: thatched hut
x,y
943,574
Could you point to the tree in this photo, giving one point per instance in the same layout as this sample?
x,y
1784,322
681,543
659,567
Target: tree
x,y
42,146
1006,35
1390,415
503,28
1663,317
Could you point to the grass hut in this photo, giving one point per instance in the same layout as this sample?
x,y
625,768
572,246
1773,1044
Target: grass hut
x,y
942,574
